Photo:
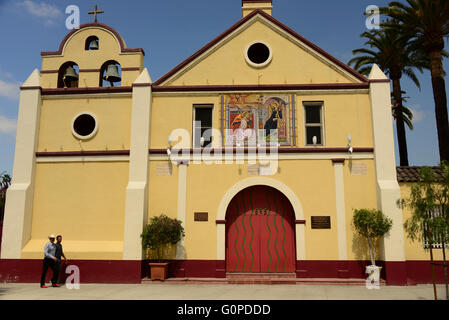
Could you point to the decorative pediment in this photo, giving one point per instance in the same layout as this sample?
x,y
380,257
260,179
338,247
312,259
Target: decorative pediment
x,y
260,50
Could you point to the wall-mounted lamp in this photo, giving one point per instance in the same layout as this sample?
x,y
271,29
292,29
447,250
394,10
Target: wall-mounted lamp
x,y
169,146
349,144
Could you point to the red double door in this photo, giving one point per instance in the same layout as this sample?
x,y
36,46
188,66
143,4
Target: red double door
x,y
260,232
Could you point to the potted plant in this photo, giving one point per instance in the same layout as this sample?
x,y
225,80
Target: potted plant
x,y
372,224
161,233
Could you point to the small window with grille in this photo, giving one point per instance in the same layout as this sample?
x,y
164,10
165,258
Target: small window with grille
x,y
437,239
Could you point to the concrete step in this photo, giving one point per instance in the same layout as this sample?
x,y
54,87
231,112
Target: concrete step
x,y
187,281
256,276
261,281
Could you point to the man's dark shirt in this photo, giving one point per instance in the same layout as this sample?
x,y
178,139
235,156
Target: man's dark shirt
x,y
58,253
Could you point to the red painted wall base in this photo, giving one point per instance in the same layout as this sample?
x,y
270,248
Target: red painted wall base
x,y
116,271
333,269
192,268
421,271
395,273
91,271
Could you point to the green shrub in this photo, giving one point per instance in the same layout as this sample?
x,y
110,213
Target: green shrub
x,y
161,232
371,224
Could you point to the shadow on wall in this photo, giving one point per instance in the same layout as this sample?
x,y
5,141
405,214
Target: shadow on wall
x,y
360,247
168,253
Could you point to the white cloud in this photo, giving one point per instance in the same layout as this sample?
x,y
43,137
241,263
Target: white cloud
x,y
5,74
7,125
42,10
9,90
418,115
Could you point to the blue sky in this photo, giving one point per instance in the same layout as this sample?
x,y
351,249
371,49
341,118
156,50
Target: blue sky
x,y
171,30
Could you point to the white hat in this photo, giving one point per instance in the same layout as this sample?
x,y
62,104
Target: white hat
x,y
52,236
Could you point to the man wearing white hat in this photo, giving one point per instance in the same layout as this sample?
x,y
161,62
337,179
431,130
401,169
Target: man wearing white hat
x,y
50,261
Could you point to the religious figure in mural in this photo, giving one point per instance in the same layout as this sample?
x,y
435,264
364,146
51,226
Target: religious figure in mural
x,y
243,126
257,119
242,121
275,118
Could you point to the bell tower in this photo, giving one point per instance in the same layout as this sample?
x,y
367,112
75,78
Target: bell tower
x,y
249,6
95,55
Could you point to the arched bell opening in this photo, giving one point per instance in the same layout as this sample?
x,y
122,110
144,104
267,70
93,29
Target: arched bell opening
x,y
110,74
260,232
68,75
92,43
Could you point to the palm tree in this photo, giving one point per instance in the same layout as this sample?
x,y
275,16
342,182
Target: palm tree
x,y
407,114
5,181
428,22
395,56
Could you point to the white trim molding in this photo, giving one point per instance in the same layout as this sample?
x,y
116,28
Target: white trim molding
x,y
20,195
136,208
340,210
182,206
388,190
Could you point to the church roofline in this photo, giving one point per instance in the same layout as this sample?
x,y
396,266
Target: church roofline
x,y
279,24
123,48
256,1
412,173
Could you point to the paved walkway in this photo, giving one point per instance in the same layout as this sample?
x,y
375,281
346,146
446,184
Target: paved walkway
x,y
12,291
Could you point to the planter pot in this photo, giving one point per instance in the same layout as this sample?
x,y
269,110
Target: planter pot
x,y
373,280
159,270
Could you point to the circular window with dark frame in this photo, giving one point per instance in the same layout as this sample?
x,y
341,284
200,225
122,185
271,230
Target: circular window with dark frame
x,y
84,126
258,54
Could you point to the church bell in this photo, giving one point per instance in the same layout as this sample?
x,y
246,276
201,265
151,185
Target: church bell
x,y
93,45
70,77
112,74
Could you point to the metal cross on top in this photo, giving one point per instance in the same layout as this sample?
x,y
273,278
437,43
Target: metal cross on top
x,y
95,12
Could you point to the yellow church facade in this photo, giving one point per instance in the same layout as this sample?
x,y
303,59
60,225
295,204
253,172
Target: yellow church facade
x,y
261,143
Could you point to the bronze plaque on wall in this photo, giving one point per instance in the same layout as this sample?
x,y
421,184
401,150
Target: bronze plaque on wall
x,y
321,222
201,216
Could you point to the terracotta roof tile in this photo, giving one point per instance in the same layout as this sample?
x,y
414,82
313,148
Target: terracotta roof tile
x,y
411,174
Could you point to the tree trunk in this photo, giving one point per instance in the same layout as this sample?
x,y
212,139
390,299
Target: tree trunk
x,y
445,270
400,127
371,251
439,94
433,274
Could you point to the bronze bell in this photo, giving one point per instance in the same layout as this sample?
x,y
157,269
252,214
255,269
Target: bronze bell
x,y
112,74
93,45
70,76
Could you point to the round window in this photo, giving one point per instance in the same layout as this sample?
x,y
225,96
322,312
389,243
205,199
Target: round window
x,y
258,54
84,126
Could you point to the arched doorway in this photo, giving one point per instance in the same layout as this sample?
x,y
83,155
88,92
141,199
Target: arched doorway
x,y
260,232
